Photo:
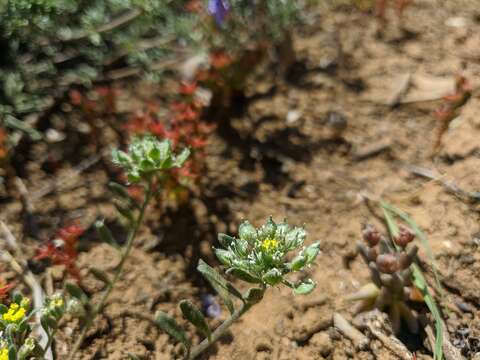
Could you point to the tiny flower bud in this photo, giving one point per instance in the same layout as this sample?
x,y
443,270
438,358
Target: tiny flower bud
x,y
387,263
404,237
371,235
76,308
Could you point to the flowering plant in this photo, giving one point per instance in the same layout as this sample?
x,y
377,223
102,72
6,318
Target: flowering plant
x,y
257,256
144,163
17,341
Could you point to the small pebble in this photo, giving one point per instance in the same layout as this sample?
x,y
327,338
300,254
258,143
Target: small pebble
x,y
323,343
293,116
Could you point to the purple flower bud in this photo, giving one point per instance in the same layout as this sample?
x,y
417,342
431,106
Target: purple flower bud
x,y
404,237
210,306
219,9
371,235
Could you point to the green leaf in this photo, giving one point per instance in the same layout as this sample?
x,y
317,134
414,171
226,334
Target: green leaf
x,y
304,288
154,154
182,157
312,252
77,293
17,298
195,316
247,232
100,275
420,282
295,238
105,234
297,263
17,124
118,190
3,309
221,286
48,322
269,228
224,256
121,158
171,327
225,240
282,230
125,212
165,149
272,277
254,295
244,275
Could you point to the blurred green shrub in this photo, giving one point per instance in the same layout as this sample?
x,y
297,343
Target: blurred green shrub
x,y
48,45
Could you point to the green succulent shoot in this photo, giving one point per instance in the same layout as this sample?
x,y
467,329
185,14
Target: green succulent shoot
x,y
261,255
146,156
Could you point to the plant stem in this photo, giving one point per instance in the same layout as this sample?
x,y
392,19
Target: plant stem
x,y
219,331
118,272
49,341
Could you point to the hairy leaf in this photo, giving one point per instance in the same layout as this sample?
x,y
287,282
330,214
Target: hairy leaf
x,y
221,286
305,287
244,275
105,234
171,327
195,316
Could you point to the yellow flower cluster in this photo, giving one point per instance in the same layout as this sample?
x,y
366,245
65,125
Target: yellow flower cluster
x,y
14,314
269,244
4,354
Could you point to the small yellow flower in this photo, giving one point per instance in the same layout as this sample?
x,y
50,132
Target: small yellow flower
x,y
4,354
57,302
269,244
15,313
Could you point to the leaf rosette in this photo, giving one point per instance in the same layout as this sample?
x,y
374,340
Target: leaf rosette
x,y
146,156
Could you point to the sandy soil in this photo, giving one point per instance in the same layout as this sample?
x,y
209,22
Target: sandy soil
x,y
281,155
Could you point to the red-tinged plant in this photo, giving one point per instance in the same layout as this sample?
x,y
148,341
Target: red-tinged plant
x,y
63,249
184,128
103,103
108,96
5,289
227,75
3,143
451,108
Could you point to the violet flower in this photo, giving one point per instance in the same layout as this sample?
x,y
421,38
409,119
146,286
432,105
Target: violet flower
x,y
210,306
219,9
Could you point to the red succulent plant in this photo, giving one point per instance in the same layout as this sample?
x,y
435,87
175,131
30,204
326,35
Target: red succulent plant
x,y
5,289
63,249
